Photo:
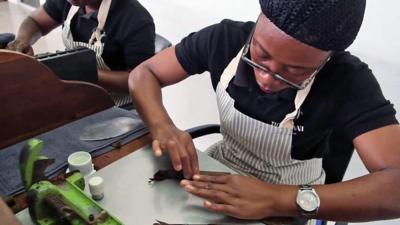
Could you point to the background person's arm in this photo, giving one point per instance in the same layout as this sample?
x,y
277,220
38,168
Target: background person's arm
x,y
114,80
145,83
37,24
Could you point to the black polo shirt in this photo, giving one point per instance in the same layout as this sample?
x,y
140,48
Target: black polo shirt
x,y
129,29
345,96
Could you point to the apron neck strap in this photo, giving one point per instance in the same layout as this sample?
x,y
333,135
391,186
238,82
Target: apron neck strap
x,y
301,95
101,18
230,70
103,13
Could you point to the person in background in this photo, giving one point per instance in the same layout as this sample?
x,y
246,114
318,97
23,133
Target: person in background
x,y
121,33
284,85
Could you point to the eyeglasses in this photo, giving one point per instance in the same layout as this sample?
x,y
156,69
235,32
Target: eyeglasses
x,y
277,76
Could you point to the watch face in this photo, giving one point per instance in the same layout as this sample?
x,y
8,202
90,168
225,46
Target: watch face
x,y
308,201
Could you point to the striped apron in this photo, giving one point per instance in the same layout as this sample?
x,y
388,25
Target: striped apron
x,y
95,44
255,148
259,149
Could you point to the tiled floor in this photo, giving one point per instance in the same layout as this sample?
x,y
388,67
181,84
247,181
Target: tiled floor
x,y
192,102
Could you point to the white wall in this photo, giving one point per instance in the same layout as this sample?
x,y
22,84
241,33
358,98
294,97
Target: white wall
x,y
378,44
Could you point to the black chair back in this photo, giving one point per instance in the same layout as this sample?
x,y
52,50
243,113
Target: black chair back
x,y
161,43
5,38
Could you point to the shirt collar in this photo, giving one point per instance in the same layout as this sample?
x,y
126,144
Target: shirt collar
x,y
89,16
243,74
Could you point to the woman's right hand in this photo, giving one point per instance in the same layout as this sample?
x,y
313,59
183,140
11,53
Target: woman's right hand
x,y
20,46
180,147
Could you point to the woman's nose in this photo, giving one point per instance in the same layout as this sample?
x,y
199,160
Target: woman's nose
x,y
267,79
272,68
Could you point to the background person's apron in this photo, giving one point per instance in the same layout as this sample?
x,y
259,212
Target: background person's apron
x,y
95,43
255,148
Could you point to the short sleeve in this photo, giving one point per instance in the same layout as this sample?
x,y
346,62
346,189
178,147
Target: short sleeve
x,y
194,50
367,108
57,9
212,48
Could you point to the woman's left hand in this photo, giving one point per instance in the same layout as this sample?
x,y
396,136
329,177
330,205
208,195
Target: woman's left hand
x,y
237,196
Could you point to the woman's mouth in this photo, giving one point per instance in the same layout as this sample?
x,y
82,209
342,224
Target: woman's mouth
x,y
265,89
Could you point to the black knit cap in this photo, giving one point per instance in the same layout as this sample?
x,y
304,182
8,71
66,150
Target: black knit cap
x,y
323,24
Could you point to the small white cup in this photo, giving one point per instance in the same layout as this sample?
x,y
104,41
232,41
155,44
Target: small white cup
x,y
96,187
81,161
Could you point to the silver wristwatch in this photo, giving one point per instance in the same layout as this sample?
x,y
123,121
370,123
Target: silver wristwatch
x,y
307,201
